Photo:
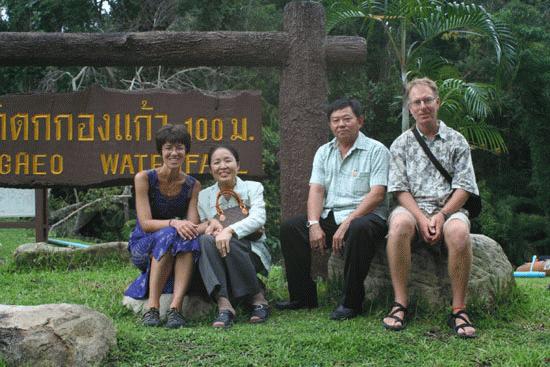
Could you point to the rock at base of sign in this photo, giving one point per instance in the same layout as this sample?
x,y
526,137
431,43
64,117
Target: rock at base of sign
x,y
193,307
491,277
41,254
54,335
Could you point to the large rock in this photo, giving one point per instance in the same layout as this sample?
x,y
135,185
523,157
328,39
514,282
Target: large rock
x,y
42,254
193,307
491,277
54,335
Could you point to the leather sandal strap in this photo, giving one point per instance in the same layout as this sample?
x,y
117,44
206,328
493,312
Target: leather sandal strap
x,y
458,315
396,318
397,307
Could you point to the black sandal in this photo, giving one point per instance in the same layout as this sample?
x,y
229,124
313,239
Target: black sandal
x,y
260,313
395,308
225,317
451,321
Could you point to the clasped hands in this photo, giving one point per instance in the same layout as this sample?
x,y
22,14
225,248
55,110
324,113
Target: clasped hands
x,y
431,229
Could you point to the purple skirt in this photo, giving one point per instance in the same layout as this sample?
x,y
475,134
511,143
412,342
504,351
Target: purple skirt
x,y
143,245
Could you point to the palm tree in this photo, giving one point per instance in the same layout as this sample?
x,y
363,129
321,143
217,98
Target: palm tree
x,y
426,21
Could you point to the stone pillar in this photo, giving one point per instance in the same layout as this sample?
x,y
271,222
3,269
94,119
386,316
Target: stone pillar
x,y
302,95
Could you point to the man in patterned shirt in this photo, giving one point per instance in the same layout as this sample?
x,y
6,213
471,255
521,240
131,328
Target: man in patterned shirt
x,y
430,210
346,210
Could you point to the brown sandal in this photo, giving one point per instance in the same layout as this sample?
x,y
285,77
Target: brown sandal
x,y
396,307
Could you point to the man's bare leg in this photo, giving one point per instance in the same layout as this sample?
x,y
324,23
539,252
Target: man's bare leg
x,y
400,235
457,239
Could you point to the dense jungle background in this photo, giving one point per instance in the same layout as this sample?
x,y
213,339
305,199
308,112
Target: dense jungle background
x,y
512,168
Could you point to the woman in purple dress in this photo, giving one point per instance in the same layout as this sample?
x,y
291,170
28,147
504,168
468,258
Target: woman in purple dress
x,y
164,243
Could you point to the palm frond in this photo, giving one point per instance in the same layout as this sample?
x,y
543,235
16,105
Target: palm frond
x,y
476,97
454,17
425,65
345,10
469,19
509,58
480,135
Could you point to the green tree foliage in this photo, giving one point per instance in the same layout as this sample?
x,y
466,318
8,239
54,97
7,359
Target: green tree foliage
x,y
414,27
514,186
149,15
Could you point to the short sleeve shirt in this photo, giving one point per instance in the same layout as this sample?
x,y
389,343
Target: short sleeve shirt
x,y
411,170
347,180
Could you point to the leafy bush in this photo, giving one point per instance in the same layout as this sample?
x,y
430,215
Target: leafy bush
x,y
517,224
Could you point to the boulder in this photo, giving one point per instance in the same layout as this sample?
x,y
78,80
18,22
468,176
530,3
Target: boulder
x,y
193,307
42,254
491,277
54,335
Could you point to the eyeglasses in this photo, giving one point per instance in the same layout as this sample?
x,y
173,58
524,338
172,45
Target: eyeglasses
x,y
428,101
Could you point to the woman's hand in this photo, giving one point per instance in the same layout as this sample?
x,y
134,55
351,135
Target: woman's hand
x,y
186,229
222,241
214,227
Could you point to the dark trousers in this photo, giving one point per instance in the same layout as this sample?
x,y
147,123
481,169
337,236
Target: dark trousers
x,y
359,248
233,276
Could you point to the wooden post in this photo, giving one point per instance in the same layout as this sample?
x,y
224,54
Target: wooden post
x,y
167,48
302,98
41,215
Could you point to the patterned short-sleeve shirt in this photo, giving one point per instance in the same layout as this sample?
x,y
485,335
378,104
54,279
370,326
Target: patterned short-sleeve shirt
x,y
411,170
347,180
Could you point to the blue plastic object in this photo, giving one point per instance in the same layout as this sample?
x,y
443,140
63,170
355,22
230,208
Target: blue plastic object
x,y
55,241
530,273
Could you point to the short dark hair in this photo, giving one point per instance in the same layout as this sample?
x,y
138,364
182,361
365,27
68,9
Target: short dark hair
x,y
232,150
173,134
342,103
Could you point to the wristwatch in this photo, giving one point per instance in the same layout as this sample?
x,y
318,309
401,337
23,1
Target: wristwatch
x,y
311,222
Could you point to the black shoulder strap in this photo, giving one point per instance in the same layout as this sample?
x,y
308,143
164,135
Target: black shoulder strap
x,y
431,156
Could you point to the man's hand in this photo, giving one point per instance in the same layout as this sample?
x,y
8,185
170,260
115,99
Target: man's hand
x,y
427,230
317,238
436,223
222,241
338,238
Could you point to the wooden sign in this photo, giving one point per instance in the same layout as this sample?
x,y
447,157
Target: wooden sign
x,y
101,137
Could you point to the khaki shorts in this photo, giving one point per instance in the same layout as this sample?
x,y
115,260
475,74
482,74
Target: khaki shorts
x,y
458,215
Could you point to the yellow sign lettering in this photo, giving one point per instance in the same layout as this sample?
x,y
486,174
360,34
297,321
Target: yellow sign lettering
x,y
127,164
22,160
56,164
37,162
5,164
109,163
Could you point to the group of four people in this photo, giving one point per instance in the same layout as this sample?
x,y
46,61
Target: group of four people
x,y
347,210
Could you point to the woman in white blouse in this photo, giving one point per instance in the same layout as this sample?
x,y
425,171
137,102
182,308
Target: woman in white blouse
x,y
229,261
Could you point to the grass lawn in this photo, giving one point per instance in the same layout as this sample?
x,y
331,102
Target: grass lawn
x,y
516,334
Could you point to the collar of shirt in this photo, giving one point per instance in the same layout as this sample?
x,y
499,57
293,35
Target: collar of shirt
x,y
360,143
442,132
